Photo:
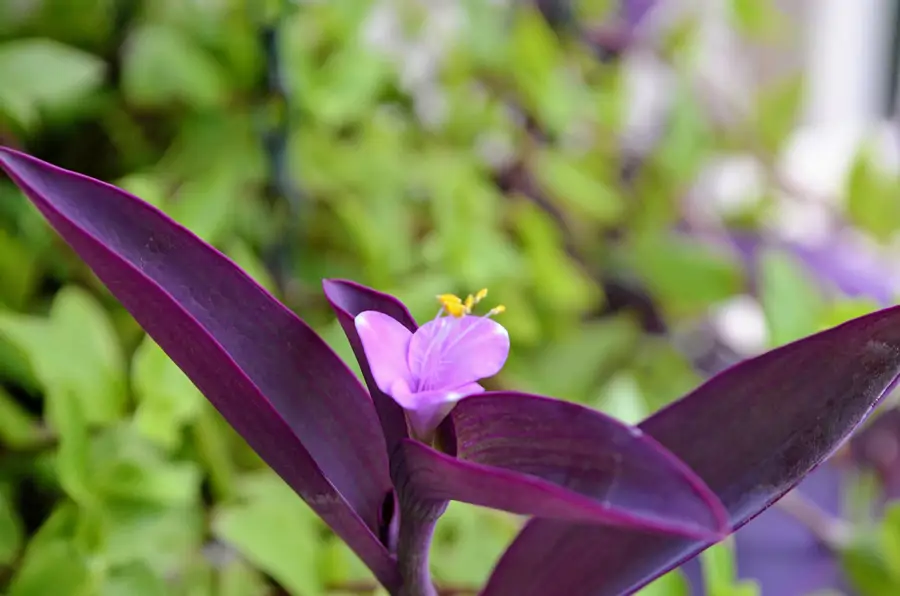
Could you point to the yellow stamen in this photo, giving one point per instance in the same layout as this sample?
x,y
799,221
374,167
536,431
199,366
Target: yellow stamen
x,y
457,307
445,299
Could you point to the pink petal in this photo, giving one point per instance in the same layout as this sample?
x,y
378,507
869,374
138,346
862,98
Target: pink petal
x,y
448,352
426,410
386,344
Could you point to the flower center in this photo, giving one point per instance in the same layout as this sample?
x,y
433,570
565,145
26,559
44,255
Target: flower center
x,y
458,308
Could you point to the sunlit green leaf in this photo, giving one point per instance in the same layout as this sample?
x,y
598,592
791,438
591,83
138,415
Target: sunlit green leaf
x,y
167,400
274,530
11,530
793,305
54,567
872,197
42,74
73,351
163,65
575,186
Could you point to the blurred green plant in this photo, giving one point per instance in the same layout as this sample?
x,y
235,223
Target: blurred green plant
x,y
117,478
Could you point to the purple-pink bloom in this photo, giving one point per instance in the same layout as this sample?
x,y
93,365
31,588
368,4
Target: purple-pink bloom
x,y
429,370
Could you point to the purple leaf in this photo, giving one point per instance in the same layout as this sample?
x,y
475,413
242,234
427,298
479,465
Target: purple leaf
x,y
852,269
781,554
534,455
265,370
751,433
349,299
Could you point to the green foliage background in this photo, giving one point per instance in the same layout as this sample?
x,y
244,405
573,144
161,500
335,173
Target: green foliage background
x,y
116,476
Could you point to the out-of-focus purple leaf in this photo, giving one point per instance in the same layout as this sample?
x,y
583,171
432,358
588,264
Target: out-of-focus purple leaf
x,y
838,265
281,387
534,455
751,433
349,299
635,11
780,553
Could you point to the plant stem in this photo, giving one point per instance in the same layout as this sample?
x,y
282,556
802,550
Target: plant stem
x,y
417,524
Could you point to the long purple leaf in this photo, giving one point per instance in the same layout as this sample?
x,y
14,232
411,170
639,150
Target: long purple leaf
x,y
534,455
348,299
751,433
265,370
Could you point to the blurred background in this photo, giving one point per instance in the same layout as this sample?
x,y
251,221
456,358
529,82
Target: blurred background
x,y
654,189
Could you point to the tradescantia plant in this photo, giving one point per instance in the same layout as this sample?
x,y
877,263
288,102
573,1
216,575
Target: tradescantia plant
x,y
612,506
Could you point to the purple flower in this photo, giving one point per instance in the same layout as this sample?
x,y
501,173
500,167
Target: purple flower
x,y
428,371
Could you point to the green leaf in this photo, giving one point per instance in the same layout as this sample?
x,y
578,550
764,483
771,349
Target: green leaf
x,y
663,373
575,186
758,19
162,65
73,462
163,539
134,579
890,540
42,74
686,276
719,569
720,572
54,567
18,428
348,85
273,529
18,270
206,202
74,351
866,571
126,467
556,279
540,74
467,543
872,197
573,365
621,398
793,305
167,400
11,531
777,111
841,311
671,584
240,579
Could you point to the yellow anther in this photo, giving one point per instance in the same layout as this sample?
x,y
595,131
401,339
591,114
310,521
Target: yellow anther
x,y
456,309
446,299
453,305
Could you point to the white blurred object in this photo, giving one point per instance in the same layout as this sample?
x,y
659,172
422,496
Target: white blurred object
x,y
741,324
847,58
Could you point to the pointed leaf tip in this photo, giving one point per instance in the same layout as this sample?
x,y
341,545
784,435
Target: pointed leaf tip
x,y
751,433
261,366
348,299
534,455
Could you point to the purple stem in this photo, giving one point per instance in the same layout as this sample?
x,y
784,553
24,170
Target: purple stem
x,y
416,532
418,519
